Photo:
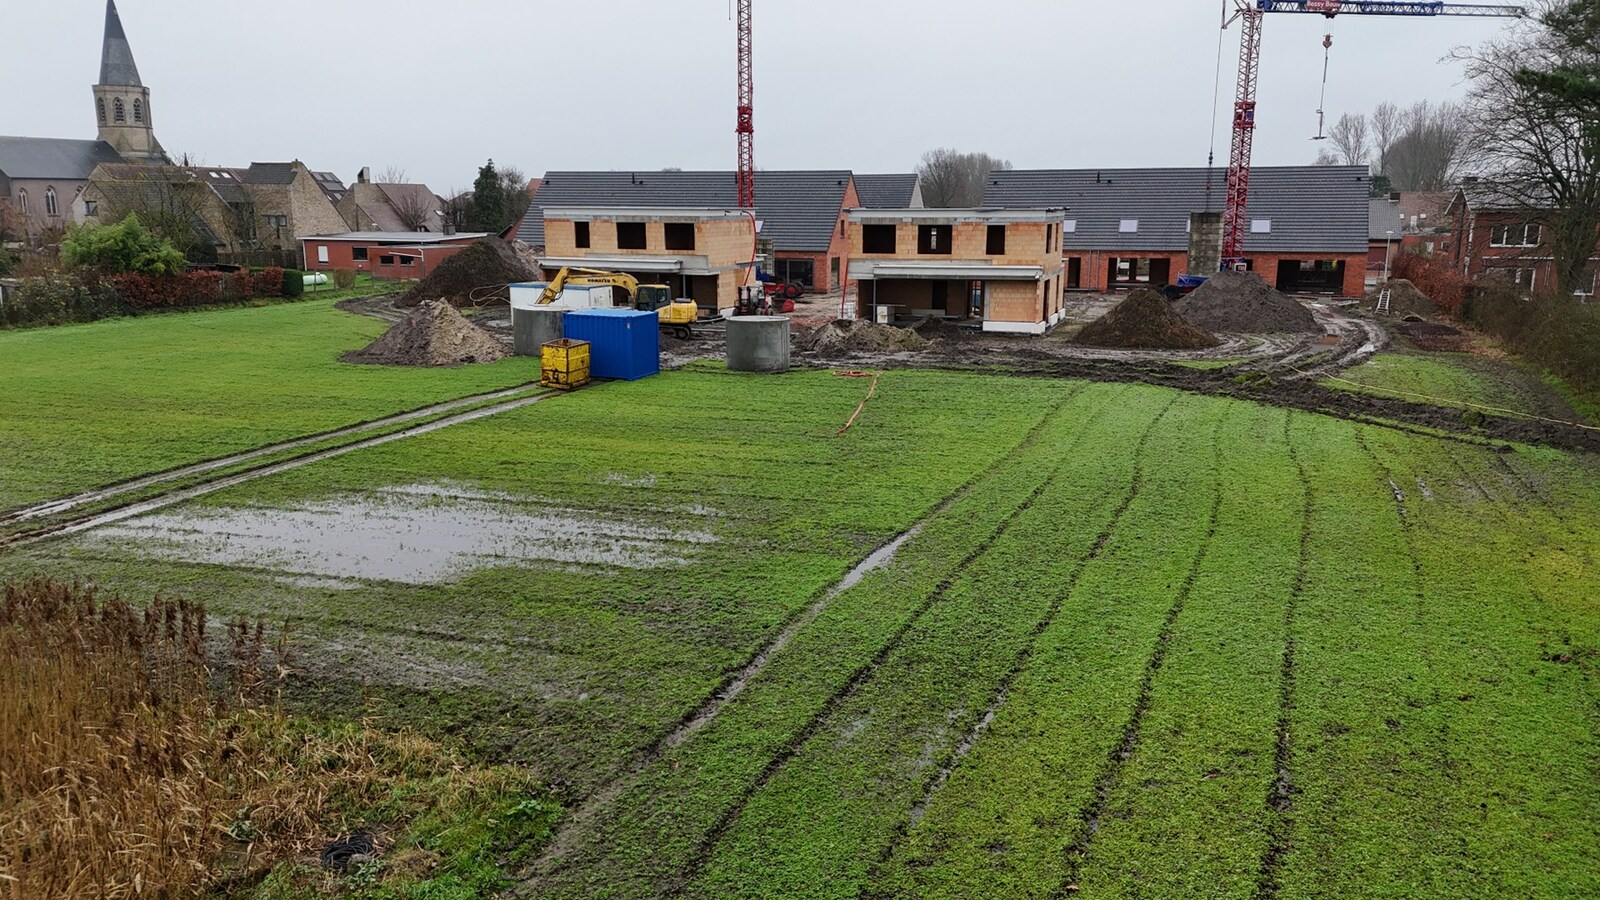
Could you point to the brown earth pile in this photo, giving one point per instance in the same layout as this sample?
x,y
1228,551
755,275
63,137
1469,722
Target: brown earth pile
x,y
936,329
844,336
1144,321
475,276
1243,302
433,334
1406,299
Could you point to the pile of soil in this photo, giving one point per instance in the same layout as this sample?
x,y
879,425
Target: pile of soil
x,y
1405,299
859,336
475,276
1433,336
1144,321
433,334
936,329
1243,302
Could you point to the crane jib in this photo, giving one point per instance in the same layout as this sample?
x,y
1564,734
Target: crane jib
x,y
1390,8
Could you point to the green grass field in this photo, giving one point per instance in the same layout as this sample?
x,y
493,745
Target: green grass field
x,y
87,405
1458,379
1138,643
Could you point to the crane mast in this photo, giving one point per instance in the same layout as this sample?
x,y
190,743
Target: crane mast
x,y
745,126
1250,14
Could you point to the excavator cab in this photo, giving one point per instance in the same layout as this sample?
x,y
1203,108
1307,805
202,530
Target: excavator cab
x,y
675,315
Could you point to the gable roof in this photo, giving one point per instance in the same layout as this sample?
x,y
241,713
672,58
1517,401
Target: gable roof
x,y
889,191
1313,209
29,157
799,210
330,184
269,173
1383,219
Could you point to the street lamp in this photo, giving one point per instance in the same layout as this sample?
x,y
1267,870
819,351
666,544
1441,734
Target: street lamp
x,y
1388,247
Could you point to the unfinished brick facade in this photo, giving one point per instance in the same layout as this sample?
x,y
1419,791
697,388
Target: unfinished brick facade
x,y
700,254
1001,267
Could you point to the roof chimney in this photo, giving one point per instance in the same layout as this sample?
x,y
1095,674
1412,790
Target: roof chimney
x,y
364,176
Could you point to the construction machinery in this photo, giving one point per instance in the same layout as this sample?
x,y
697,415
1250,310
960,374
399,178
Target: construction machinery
x,y
1250,13
676,316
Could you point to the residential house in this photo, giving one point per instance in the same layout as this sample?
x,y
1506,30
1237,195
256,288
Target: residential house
x,y
801,212
291,203
384,254
702,254
1308,225
1496,236
164,197
1000,267
1385,233
889,191
381,206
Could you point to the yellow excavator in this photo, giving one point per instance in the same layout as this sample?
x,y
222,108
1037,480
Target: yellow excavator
x,y
676,316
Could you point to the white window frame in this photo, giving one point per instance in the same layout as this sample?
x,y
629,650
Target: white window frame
x,y
322,254
1069,226
1500,235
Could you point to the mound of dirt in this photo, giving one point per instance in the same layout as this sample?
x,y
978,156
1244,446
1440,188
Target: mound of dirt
x,y
1243,302
433,334
475,276
1405,299
843,336
936,329
1144,321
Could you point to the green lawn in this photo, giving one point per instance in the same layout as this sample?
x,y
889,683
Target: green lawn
x,y
86,405
1450,379
1142,643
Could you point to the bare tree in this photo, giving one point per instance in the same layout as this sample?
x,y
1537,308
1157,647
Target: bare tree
x,y
175,204
416,206
1349,136
1427,154
1388,123
1325,157
455,206
514,184
950,178
1534,115
392,174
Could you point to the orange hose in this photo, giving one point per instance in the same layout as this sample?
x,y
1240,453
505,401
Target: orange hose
x,y
851,373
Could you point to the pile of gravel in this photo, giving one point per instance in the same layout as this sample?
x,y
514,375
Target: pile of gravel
x,y
1144,321
1243,302
475,276
433,334
844,336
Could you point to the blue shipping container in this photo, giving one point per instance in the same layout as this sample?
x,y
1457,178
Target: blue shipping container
x,y
623,343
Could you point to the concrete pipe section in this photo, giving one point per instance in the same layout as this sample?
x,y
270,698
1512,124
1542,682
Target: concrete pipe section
x,y
533,328
758,343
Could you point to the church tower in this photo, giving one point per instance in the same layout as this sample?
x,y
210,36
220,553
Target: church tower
x,y
121,101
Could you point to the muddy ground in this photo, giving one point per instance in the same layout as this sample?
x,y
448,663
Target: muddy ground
x,y
1278,369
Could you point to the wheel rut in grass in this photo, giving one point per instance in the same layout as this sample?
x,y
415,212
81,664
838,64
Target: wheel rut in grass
x,y
1280,799
161,501
590,808
108,492
1030,645
1111,771
859,677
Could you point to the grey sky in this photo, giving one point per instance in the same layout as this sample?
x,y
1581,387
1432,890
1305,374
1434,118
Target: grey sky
x,y
436,87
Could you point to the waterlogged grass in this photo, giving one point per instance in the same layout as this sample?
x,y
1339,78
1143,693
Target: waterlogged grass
x,y
92,404
1142,644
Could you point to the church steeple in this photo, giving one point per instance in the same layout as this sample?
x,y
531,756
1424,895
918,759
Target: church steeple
x,y
121,101
116,57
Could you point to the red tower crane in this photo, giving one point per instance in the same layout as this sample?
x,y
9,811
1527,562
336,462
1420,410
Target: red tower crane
x,y
1250,13
746,126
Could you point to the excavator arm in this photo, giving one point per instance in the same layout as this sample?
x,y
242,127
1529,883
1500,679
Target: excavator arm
x,y
579,276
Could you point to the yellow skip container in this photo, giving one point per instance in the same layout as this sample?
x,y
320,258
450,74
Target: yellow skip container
x,y
564,364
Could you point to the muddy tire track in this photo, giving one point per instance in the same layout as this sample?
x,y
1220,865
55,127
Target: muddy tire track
x,y
1003,688
859,677
1110,775
592,806
106,492
1280,799
161,501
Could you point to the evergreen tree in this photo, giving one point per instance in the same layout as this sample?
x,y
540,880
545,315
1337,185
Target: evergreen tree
x,y
488,200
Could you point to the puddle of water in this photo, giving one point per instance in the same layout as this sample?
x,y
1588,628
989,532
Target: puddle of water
x,y
418,534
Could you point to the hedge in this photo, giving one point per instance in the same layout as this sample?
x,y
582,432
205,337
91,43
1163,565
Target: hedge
x,y
57,300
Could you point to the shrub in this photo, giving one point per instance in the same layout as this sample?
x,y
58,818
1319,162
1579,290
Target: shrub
x,y
294,282
126,246
169,291
267,282
345,279
1445,287
1560,334
59,300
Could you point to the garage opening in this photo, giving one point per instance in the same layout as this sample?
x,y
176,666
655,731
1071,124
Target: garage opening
x,y
1141,271
1310,276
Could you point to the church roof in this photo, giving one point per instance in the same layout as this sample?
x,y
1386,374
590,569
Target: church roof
x,y
31,157
116,57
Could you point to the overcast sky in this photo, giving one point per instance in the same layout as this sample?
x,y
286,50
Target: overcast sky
x,y
437,87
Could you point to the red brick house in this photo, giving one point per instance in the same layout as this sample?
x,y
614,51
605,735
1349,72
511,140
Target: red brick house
x,y
1497,238
1307,233
385,254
